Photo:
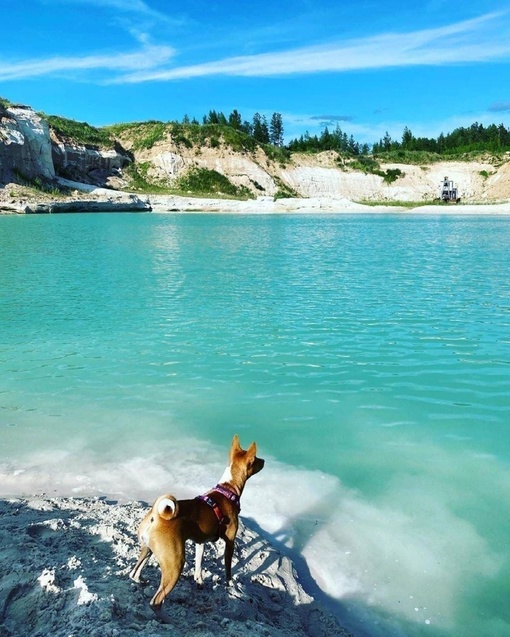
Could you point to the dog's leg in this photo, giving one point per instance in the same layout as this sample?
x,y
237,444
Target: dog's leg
x,y
171,565
145,553
229,552
199,554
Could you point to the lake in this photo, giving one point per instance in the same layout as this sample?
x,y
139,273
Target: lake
x,y
368,356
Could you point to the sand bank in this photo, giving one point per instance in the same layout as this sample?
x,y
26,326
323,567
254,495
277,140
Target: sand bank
x,y
64,565
87,198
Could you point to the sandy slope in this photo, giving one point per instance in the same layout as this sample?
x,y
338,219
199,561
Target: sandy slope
x,y
64,565
18,199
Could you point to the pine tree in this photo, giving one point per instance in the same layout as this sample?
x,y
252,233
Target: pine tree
x,y
407,139
276,130
260,129
234,119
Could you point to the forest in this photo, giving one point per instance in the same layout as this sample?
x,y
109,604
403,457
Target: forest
x,y
476,138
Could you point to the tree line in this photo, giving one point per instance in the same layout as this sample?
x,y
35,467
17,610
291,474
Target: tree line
x,y
474,138
259,128
329,140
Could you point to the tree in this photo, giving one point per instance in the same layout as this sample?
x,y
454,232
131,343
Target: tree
x,y
407,139
276,130
260,129
234,119
386,142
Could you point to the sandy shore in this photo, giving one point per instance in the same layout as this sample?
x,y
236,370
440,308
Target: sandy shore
x,y
16,200
64,565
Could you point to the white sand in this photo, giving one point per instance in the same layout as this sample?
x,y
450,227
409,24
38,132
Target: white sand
x,y
63,572
15,199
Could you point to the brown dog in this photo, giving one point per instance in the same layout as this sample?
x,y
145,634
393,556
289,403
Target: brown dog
x,y
165,529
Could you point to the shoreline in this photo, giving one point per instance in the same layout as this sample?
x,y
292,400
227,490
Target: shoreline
x,y
64,571
91,199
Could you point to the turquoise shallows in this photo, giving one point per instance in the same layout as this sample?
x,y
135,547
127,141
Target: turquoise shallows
x,y
368,355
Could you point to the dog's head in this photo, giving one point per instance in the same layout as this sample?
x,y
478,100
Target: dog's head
x,y
244,461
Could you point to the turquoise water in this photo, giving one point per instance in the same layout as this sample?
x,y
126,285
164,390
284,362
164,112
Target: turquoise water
x,y
368,355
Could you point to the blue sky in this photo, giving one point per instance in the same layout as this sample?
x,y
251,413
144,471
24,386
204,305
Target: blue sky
x,y
367,65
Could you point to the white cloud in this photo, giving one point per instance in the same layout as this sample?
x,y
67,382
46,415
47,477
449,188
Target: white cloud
x,y
148,57
137,7
466,41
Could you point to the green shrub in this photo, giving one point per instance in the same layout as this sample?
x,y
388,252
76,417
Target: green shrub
x,y
204,181
392,174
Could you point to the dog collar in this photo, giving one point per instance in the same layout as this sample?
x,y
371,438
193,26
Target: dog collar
x,y
230,495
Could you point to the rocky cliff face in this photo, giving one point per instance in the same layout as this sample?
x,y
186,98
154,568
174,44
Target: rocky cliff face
x,y
25,146
320,175
30,150
89,165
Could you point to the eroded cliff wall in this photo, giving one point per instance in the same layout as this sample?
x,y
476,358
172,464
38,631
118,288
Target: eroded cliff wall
x,y
30,150
25,146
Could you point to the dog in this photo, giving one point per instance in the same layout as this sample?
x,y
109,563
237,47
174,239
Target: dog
x,y
207,518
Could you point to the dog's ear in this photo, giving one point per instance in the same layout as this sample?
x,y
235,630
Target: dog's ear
x,y
236,445
252,450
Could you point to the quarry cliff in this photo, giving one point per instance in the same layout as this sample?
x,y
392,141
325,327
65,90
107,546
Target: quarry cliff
x,y
165,158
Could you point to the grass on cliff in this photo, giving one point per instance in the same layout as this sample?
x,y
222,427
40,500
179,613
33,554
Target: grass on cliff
x,y
201,181
80,132
197,182
5,103
144,135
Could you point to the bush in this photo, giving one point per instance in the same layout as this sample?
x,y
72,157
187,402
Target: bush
x,y
204,181
392,174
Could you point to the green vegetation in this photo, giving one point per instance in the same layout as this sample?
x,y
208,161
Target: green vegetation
x,y
142,134
137,174
40,184
4,103
284,191
196,182
327,140
204,181
80,132
368,164
461,143
475,138
401,204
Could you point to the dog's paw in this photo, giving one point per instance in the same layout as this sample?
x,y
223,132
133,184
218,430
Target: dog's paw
x,y
160,614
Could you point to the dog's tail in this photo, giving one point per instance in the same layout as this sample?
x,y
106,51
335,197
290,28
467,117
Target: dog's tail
x,y
167,507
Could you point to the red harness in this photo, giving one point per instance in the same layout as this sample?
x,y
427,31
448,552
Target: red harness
x,y
210,501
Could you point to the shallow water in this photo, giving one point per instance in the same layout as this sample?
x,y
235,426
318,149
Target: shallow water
x,y
368,355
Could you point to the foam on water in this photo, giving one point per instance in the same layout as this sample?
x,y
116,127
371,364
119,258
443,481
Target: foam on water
x,y
402,559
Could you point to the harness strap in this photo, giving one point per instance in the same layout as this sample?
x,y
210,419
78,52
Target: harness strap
x,y
214,506
230,495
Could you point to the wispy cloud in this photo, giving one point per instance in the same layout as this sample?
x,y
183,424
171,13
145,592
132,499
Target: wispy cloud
x,y
134,16
331,119
137,8
466,41
148,57
500,107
